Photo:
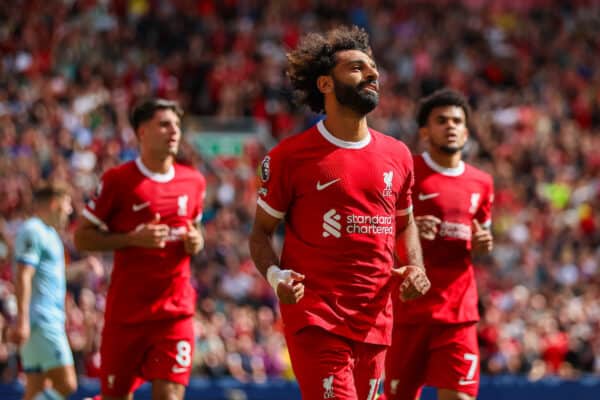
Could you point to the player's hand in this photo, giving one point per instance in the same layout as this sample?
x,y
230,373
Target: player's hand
x,y
288,285
482,241
427,226
414,281
19,333
150,235
193,240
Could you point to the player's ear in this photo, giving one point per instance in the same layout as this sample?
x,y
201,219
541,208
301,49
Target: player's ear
x,y
325,84
424,133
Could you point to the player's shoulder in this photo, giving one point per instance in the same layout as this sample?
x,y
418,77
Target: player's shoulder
x,y
477,174
31,227
296,143
187,171
389,143
32,223
125,169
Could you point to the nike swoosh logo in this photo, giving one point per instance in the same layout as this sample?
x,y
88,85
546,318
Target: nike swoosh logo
x,y
424,197
323,186
178,370
463,382
138,207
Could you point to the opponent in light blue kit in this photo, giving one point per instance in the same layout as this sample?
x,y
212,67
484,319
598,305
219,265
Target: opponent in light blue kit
x,y
40,287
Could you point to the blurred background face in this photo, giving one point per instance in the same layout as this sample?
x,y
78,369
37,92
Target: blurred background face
x,y
355,81
160,136
446,129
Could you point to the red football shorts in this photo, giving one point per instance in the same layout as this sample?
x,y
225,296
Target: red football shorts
x,y
442,356
329,366
132,354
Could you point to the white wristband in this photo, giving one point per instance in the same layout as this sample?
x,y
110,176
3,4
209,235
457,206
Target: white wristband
x,y
275,275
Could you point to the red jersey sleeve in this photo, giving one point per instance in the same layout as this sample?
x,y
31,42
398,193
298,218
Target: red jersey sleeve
x,y
484,212
99,209
275,193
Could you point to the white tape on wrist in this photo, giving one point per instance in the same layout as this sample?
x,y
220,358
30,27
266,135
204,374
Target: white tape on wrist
x,y
275,275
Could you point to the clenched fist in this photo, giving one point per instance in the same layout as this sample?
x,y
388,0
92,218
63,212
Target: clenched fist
x,y
414,281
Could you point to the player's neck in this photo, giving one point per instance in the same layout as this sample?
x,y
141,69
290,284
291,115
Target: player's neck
x,y
347,127
445,160
47,218
156,165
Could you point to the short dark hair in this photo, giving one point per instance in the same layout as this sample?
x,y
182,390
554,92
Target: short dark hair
x,y
442,98
48,191
316,56
145,109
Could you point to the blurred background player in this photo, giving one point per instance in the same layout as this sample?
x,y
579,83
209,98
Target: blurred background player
x,y
40,287
147,211
344,192
435,338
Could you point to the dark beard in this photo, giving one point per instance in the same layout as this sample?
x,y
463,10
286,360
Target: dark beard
x,y
360,101
450,150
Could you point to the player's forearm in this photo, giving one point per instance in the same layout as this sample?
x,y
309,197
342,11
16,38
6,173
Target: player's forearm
x,y
23,292
261,250
408,245
93,239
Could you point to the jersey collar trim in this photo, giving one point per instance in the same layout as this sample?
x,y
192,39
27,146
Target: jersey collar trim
x,y
157,177
457,171
339,142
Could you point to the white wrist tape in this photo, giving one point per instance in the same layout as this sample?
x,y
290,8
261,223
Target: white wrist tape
x,y
275,275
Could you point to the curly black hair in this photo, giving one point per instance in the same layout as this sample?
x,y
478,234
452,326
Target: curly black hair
x,y
316,56
442,98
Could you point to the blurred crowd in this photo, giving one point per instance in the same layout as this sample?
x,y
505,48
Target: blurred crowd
x,y
70,70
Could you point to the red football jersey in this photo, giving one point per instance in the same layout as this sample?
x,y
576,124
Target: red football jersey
x,y
340,201
456,196
148,284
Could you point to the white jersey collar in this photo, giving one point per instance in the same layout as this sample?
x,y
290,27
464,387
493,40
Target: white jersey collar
x,y
155,176
339,142
456,171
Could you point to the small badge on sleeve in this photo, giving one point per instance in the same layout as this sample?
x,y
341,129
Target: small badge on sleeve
x,y
265,169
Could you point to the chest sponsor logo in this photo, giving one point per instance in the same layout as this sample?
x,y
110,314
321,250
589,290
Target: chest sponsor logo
x,y
423,196
388,178
182,202
334,224
139,207
326,184
331,224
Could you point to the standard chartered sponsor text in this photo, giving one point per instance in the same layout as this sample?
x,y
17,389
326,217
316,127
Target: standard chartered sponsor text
x,y
369,224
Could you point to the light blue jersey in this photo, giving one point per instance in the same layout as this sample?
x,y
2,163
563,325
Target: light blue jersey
x,y
39,246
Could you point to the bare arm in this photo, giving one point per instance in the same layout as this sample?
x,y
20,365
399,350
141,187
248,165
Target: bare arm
x,y
408,250
408,245
286,283
89,236
24,276
261,241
